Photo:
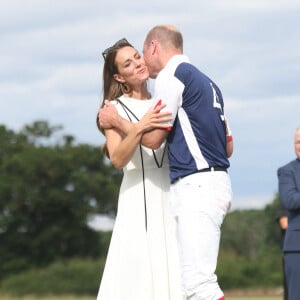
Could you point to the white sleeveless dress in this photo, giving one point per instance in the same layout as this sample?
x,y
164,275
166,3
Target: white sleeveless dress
x,y
142,261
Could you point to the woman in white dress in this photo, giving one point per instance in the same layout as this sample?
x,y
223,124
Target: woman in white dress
x,y
142,261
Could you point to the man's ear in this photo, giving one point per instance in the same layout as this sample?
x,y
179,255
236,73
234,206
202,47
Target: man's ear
x,y
119,78
154,46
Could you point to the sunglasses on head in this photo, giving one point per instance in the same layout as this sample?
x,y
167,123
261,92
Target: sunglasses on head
x,y
112,48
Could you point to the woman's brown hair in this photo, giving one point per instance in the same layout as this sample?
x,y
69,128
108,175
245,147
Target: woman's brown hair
x,y
112,89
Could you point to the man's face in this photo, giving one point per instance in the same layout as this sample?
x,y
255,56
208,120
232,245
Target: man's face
x,y
150,59
297,143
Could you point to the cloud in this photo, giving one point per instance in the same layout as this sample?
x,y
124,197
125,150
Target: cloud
x,y
51,68
261,6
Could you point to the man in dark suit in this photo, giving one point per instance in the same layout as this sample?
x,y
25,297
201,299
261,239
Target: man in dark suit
x,y
289,191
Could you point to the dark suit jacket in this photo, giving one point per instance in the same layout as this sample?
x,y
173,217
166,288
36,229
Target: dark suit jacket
x,y
281,212
289,191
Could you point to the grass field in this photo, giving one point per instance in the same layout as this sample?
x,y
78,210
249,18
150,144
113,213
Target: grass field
x,y
3,297
254,298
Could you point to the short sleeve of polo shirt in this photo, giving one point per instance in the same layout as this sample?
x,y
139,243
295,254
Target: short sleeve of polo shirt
x,y
169,90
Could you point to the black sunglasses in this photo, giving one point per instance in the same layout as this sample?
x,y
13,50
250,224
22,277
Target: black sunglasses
x,y
112,48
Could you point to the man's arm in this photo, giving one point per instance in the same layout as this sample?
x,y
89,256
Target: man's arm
x,y
229,139
157,127
289,194
154,138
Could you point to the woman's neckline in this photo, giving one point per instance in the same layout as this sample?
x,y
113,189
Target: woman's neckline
x,y
138,99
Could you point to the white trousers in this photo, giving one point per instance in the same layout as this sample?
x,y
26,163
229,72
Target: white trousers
x,y
200,202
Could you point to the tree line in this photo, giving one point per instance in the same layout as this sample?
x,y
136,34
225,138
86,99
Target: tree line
x,y
48,190
50,186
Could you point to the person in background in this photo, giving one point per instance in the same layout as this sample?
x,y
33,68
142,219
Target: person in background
x,y
199,144
282,220
289,192
143,260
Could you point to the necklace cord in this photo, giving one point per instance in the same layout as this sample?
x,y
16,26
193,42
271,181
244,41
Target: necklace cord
x,y
159,165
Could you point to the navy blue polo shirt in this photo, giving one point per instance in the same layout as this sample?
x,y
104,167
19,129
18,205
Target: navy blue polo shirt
x,y
198,136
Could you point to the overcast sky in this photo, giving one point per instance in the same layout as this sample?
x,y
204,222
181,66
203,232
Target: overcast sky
x,y
51,68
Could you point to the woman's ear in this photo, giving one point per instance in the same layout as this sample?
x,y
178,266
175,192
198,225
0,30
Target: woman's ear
x,y
119,78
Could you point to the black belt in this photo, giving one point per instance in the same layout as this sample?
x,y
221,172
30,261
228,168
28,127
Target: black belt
x,y
210,169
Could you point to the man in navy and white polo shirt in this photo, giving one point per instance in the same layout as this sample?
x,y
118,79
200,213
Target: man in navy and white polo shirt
x,y
199,144
198,150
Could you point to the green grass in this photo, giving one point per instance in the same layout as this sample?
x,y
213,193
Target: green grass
x,y
254,298
7,297
4,297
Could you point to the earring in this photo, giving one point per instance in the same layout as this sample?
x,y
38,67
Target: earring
x,y
125,88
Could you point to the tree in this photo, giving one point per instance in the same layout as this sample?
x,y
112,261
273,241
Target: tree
x,y
243,232
250,255
47,193
273,233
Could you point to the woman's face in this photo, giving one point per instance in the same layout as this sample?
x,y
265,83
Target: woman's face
x,y
131,67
